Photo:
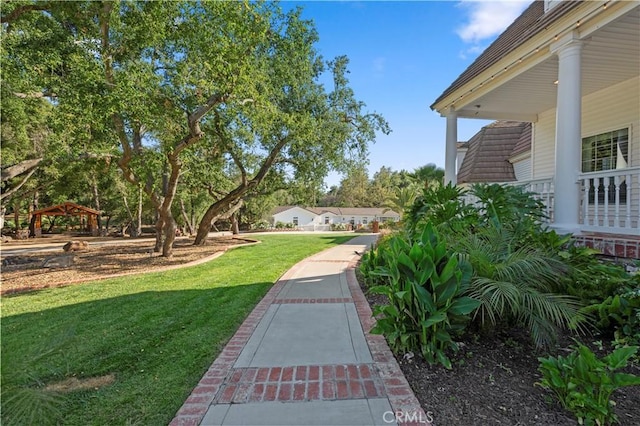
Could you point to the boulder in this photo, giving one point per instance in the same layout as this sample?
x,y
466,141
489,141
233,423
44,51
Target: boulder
x,y
76,246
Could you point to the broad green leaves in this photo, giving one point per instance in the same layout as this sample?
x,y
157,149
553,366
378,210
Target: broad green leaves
x,y
424,283
584,384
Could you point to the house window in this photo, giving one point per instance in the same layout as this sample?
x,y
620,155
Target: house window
x,y
295,220
606,151
352,221
364,220
326,220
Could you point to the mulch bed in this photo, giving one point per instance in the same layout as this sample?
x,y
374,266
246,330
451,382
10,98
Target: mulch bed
x,y
493,382
25,272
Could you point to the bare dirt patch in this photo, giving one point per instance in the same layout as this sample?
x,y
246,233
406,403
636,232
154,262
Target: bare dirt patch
x,y
25,272
73,384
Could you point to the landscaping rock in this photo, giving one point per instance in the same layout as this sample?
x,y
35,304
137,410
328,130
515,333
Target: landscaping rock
x,y
76,246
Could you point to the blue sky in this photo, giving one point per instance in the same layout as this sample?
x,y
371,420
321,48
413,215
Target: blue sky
x,y
403,55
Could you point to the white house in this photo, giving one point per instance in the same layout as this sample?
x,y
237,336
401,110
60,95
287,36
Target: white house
x,y
321,218
572,70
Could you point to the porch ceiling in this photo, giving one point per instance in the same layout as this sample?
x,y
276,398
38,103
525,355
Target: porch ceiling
x,y
610,55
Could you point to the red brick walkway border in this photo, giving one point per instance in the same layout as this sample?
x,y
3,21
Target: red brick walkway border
x,y
224,384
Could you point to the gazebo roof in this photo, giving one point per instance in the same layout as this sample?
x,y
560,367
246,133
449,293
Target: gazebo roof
x,y
64,209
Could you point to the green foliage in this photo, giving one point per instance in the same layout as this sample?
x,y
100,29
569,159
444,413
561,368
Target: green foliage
x,y
611,294
443,207
425,286
592,279
583,383
511,207
428,175
620,314
261,225
515,284
374,259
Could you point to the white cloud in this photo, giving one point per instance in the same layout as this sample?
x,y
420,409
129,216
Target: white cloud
x,y
486,19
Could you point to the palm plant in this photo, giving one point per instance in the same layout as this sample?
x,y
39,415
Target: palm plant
x,y
429,175
515,285
401,200
443,207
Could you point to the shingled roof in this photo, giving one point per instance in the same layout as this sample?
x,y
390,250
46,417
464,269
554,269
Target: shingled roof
x,y
341,211
487,158
532,21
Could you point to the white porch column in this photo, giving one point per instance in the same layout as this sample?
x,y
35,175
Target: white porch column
x,y
568,138
451,148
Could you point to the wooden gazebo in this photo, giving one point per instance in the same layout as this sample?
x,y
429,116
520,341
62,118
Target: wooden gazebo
x,y
66,209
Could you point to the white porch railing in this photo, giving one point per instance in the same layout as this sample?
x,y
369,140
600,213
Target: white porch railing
x,y
543,188
609,200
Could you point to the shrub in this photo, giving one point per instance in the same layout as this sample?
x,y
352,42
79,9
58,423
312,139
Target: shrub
x,y
372,260
262,224
425,286
280,225
509,206
442,206
515,285
619,314
583,383
591,279
338,227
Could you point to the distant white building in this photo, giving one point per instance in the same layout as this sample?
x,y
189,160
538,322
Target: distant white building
x,y
321,218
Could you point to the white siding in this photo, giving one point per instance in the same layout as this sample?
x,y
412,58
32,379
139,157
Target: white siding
x,y
522,169
615,108
543,145
462,152
305,217
609,109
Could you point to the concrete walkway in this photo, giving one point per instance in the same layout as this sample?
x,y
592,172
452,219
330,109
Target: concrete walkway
x,y
304,357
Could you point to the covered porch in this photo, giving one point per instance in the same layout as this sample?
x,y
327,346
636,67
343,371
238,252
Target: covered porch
x,y
573,71
609,200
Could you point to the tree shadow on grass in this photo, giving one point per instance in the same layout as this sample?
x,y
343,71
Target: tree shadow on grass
x,y
157,344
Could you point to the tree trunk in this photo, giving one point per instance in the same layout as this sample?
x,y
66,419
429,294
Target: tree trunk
x,y
134,231
169,236
52,223
139,215
226,206
29,212
235,228
159,234
96,199
16,214
185,216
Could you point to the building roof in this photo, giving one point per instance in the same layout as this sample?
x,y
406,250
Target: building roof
x,y
341,211
531,22
66,209
487,159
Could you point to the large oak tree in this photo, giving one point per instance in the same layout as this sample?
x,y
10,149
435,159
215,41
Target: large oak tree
x,y
158,84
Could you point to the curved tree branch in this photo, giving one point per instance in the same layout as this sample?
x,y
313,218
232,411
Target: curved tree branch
x,y
20,168
21,10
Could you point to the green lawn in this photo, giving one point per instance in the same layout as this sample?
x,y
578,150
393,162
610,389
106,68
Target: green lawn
x,y
155,333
